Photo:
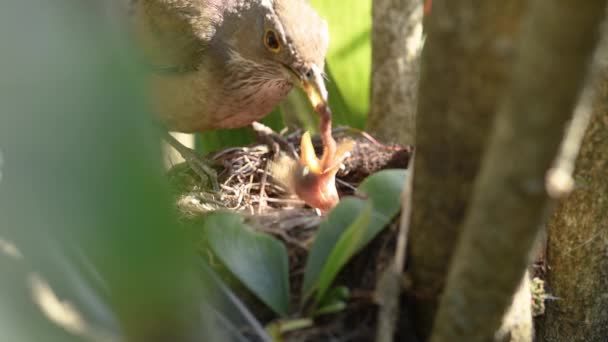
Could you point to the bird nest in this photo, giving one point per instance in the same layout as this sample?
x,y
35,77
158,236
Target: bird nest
x,y
248,186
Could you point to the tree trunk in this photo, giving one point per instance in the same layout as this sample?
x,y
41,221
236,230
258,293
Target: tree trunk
x,y
577,250
396,44
558,39
465,63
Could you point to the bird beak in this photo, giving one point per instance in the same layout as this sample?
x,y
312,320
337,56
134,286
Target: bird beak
x,y
314,86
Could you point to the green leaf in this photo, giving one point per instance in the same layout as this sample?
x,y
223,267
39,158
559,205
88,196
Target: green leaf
x,y
333,301
211,141
274,120
338,293
104,237
227,313
330,230
344,250
339,236
384,190
349,56
258,260
330,308
277,329
342,112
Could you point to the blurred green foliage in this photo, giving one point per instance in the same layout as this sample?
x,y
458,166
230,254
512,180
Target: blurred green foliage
x,y
82,194
83,200
349,57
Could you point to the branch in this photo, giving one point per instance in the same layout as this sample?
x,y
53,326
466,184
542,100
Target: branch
x,y
389,286
396,45
577,231
465,66
558,39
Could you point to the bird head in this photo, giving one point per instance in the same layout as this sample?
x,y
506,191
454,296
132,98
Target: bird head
x,y
285,40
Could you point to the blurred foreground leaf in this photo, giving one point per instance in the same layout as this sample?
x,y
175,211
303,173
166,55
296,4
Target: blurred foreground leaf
x,y
82,195
227,313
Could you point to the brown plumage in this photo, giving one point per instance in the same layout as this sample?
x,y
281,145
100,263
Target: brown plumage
x,y
226,63
213,66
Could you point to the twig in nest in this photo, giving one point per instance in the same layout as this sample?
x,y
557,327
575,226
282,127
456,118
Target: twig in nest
x,y
389,286
244,175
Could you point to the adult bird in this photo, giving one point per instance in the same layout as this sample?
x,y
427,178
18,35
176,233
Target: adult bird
x,y
226,63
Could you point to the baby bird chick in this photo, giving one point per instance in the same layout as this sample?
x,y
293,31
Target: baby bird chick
x,y
312,179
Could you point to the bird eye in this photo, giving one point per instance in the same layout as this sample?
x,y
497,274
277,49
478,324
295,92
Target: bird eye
x,y
272,41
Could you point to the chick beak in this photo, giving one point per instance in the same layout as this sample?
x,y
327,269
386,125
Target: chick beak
x,y
315,181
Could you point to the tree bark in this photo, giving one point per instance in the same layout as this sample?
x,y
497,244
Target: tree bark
x,y
558,39
465,64
577,249
396,45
